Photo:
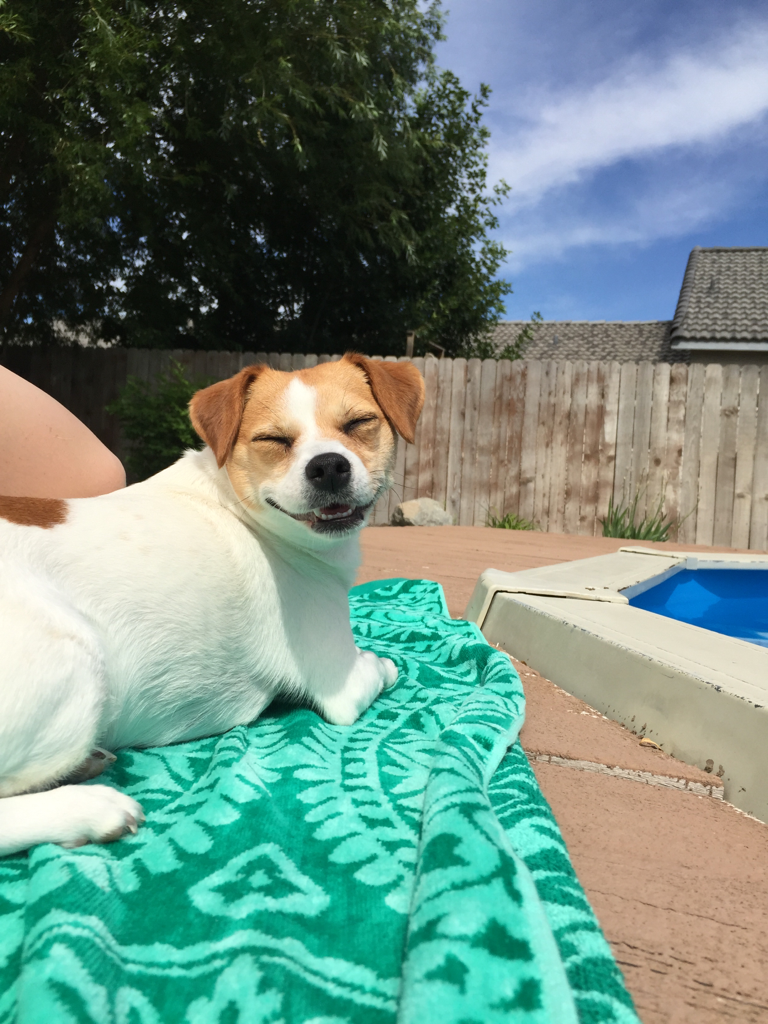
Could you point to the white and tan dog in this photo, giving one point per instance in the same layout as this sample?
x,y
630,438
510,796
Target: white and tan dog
x,y
180,606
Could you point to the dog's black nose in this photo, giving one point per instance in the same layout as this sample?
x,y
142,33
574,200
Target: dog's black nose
x,y
329,472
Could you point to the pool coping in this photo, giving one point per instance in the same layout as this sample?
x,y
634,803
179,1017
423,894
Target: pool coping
x,y
701,695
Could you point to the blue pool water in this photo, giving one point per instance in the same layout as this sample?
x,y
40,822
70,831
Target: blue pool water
x,y
730,601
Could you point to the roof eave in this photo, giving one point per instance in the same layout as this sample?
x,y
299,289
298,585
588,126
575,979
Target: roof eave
x,y
722,345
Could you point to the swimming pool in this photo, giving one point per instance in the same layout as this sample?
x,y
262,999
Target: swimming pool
x,y
729,601
693,678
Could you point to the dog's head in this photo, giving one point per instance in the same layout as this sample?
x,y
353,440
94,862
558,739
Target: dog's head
x,y
314,447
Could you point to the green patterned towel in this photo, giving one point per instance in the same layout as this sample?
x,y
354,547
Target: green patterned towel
x,y
406,869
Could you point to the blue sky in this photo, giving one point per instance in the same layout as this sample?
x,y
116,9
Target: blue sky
x,y
629,132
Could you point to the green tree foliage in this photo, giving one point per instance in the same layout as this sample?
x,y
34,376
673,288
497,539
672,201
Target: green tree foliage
x,y
241,174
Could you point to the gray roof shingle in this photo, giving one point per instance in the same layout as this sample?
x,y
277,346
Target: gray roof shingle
x,y
724,300
628,341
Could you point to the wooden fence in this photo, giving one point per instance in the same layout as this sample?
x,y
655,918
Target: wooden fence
x,y
549,441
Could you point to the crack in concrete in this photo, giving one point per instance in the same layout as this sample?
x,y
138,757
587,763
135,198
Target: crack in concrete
x,y
671,910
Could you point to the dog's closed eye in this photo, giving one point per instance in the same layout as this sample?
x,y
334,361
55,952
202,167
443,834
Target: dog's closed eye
x,y
352,425
286,442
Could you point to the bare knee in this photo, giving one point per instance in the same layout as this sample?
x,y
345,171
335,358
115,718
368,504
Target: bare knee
x,y
106,473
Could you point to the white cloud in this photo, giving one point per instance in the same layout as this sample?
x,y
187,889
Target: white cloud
x,y
662,209
692,99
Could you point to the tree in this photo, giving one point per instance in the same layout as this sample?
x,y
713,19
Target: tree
x,y
292,174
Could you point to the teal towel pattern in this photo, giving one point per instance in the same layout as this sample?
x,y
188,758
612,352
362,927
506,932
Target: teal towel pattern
x,y
406,870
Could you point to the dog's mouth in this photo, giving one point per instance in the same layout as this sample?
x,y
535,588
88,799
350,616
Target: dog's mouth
x,y
329,518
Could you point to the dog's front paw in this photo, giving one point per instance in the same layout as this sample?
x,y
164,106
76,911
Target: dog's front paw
x,y
94,814
365,682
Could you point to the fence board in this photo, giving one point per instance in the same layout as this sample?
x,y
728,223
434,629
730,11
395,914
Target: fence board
x,y
622,482
396,492
455,438
758,524
484,442
575,448
689,478
609,377
559,459
544,444
592,447
726,457
411,474
428,424
641,438
673,450
445,373
137,362
500,437
710,437
395,495
745,457
515,405
466,498
528,440
657,446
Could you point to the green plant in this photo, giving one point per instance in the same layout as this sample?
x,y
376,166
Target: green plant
x,y
155,419
510,521
620,521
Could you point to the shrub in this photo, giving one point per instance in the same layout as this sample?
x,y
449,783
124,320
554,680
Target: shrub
x,y
510,521
620,521
155,419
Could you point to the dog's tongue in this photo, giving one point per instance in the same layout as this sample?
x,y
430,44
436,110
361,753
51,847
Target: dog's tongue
x,y
335,510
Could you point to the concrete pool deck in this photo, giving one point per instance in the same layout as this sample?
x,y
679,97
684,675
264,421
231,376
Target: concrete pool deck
x,y
678,877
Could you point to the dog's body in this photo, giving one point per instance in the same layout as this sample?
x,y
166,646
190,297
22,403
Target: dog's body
x,y
181,606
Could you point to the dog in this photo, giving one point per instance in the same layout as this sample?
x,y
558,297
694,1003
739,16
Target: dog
x,y
179,607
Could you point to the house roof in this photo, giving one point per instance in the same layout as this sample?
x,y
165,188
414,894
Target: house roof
x,y
628,341
723,302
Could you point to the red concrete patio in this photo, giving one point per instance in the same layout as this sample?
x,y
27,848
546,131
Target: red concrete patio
x,y
678,880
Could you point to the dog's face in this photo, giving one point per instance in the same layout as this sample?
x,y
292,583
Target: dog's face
x,y
310,450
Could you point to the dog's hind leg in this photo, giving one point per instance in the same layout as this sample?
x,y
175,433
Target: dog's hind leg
x,y
52,685
91,768
52,696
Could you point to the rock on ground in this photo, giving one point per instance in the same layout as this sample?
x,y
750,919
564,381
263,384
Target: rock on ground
x,y
420,512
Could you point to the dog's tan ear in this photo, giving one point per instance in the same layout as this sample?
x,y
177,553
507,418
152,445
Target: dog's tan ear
x,y
398,389
217,412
